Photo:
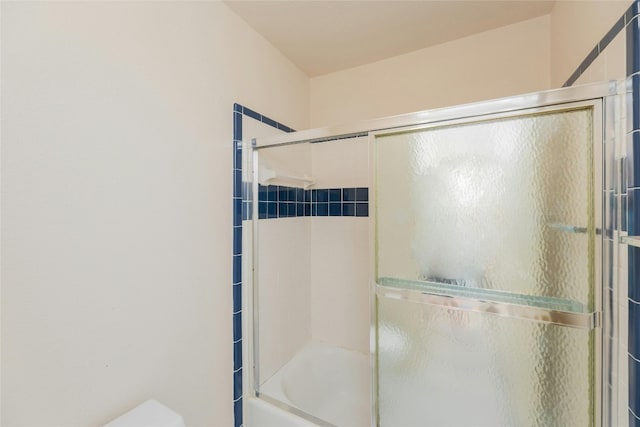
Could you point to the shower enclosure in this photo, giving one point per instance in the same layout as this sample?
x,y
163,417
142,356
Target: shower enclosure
x,y
402,266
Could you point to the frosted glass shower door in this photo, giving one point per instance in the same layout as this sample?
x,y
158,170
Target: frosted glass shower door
x,y
487,270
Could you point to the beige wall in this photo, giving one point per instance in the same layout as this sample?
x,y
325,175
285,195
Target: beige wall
x,y
501,62
116,210
576,27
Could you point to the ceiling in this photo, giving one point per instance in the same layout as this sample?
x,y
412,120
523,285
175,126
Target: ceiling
x,y
324,36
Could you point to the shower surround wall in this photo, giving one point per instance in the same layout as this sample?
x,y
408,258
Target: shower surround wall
x,y
624,37
241,209
316,266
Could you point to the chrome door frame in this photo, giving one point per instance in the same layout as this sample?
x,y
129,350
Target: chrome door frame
x,y
600,95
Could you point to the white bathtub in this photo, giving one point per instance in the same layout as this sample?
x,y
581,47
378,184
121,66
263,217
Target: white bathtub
x,y
329,383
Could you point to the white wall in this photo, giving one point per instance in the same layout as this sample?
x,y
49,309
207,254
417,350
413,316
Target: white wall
x,y
116,213
501,62
340,251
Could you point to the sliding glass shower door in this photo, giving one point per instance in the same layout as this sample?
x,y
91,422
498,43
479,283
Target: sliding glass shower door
x,y
488,270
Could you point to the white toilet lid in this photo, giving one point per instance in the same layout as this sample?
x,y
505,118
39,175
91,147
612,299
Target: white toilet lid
x,y
148,414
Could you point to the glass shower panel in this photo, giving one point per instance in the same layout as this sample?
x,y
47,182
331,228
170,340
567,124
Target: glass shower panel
x,y
502,205
310,287
485,270
281,260
442,367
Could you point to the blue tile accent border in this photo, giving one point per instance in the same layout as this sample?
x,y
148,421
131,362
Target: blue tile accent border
x,y
277,201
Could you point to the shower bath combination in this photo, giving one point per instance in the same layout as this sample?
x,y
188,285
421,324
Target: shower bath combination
x,y
397,267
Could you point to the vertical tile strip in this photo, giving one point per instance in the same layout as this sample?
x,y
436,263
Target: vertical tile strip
x,y
242,210
237,264
632,22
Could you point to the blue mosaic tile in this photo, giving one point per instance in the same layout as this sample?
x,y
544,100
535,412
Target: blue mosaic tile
x,y
307,209
634,333
633,119
237,384
237,126
633,255
323,209
237,297
283,193
591,56
272,209
237,240
237,268
237,355
272,193
237,413
611,34
335,194
299,194
632,11
300,209
633,211
633,160
284,128
323,195
237,326
237,158
250,113
262,210
349,209
362,194
270,122
572,78
335,209
237,183
262,193
349,194
362,209
237,212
